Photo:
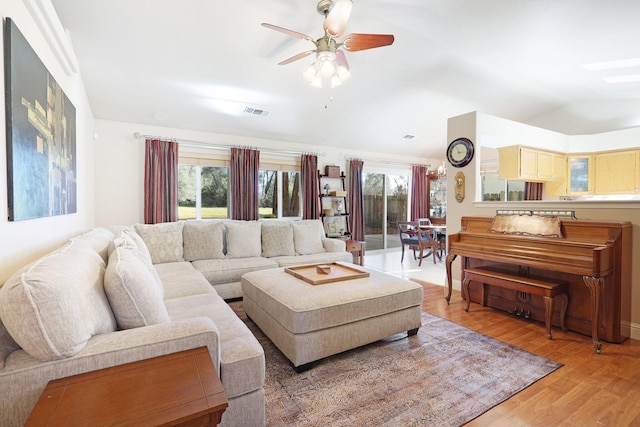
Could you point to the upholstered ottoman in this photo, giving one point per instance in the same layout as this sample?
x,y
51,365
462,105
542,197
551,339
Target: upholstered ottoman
x,y
309,322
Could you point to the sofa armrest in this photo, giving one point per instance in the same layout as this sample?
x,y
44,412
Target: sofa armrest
x,y
334,245
28,376
154,340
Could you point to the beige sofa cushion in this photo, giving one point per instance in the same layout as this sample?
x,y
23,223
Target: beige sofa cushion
x,y
202,240
277,239
134,293
242,362
243,239
7,344
163,240
307,237
228,270
181,279
55,305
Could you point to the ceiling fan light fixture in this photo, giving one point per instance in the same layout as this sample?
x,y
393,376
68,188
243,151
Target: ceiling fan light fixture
x,y
311,72
326,71
343,73
327,68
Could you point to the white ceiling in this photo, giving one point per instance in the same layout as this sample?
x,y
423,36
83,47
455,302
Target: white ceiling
x,y
200,62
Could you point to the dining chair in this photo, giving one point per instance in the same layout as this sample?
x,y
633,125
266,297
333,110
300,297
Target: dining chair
x,y
437,235
416,240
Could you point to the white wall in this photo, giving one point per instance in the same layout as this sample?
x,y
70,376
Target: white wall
x,y
120,163
23,241
481,128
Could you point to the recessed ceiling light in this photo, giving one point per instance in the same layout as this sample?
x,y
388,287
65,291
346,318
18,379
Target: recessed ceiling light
x,y
161,116
610,65
622,79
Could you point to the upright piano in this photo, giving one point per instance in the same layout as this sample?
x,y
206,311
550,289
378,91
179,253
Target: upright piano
x,y
594,257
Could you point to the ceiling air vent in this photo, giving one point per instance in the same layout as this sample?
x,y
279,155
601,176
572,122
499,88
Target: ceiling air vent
x,y
256,111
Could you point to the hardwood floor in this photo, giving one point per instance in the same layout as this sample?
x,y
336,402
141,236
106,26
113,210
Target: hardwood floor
x,y
589,390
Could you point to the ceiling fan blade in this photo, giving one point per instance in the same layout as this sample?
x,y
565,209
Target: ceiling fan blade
x,y
355,42
296,57
288,32
336,21
341,59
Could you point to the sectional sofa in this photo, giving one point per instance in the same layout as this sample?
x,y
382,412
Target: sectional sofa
x,y
120,294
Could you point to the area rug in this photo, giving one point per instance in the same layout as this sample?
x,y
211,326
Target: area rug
x,y
446,375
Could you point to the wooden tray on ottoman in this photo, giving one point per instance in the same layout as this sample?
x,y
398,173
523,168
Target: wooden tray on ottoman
x,y
338,272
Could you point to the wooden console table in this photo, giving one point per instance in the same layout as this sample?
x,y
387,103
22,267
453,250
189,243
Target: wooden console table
x,y
179,389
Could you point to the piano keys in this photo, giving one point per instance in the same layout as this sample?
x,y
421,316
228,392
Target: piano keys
x,y
593,256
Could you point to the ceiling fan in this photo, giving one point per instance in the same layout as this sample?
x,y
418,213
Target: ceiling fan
x,y
331,68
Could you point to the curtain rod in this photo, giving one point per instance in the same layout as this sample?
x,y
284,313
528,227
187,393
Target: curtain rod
x,y
388,162
216,146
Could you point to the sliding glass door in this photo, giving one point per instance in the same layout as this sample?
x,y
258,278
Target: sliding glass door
x,y
385,203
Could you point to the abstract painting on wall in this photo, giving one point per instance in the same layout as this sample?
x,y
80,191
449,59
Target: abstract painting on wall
x,y
41,135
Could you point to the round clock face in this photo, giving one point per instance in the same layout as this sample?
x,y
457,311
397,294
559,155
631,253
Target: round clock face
x,y
460,152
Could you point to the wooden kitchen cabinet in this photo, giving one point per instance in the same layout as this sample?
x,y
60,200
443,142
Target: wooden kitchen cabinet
x,y
521,163
617,172
557,187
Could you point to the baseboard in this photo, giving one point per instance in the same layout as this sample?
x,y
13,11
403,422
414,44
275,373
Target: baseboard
x,y
632,328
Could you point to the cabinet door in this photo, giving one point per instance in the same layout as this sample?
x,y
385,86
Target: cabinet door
x,y
617,172
580,169
528,163
509,162
558,186
545,166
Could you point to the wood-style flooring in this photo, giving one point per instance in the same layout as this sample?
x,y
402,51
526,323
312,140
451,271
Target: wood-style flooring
x,y
589,390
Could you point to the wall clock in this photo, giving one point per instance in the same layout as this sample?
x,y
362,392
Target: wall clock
x,y
460,152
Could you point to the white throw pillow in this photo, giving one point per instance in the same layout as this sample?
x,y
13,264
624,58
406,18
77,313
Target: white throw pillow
x,y
54,306
139,249
277,239
98,238
163,240
202,240
139,242
133,292
243,239
307,237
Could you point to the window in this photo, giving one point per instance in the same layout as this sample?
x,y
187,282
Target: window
x,y
203,187
279,194
203,192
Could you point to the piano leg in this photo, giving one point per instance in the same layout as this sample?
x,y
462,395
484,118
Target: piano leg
x,y
450,259
595,285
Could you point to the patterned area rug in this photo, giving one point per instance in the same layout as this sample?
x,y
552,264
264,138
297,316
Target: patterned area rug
x,y
446,375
